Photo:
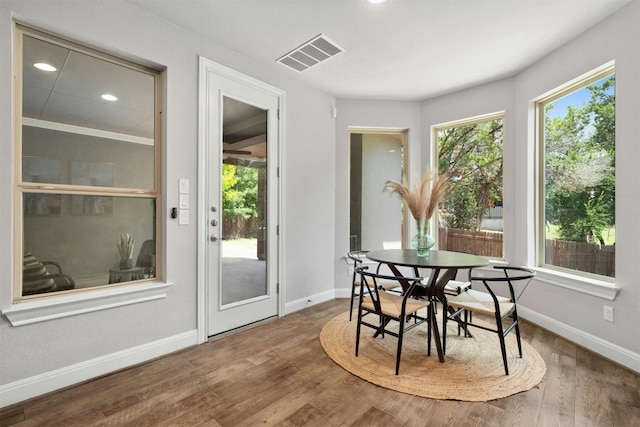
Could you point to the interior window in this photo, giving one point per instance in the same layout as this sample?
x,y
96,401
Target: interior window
x,y
376,220
87,167
576,141
471,219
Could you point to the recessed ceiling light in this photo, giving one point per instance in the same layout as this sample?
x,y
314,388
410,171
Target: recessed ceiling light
x,y
109,97
376,1
44,66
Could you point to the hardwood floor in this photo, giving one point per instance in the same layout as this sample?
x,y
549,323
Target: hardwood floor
x,y
278,374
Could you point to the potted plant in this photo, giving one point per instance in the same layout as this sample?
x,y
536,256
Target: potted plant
x,y
125,247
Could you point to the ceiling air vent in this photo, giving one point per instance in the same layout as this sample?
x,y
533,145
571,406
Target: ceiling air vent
x,y
310,54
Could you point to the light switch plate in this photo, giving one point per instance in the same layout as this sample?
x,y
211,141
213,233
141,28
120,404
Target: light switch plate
x,y
184,186
184,201
183,217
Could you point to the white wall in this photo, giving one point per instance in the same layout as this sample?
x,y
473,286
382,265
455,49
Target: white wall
x,y
43,356
367,114
617,38
575,315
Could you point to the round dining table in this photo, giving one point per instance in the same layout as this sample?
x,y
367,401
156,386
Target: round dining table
x,y
444,266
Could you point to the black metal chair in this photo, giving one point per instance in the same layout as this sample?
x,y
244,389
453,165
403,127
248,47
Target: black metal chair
x,y
389,306
147,258
452,288
355,259
490,304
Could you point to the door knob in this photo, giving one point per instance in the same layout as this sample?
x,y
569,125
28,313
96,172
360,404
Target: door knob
x,y
213,238
214,222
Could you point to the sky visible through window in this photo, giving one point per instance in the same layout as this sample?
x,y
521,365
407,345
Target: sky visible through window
x,y
576,99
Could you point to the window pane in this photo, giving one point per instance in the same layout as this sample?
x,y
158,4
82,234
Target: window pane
x,y
89,135
376,220
471,220
83,240
82,108
579,193
53,156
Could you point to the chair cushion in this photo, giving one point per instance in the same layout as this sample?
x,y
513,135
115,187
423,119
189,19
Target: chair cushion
x,y
35,276
455,287
480,302
391,304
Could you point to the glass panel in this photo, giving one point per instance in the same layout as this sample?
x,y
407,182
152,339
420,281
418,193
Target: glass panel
x,y
579,194
375,218
472,220
83,240
66,117
244,202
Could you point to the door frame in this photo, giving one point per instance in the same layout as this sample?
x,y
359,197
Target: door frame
x,y
207,71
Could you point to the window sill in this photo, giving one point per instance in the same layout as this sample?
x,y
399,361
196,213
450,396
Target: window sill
x,y
587,285
70,305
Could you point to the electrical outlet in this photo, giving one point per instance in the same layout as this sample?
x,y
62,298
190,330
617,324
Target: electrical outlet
x,y
608,313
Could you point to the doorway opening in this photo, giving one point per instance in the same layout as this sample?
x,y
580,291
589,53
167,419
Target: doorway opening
x,y
376,220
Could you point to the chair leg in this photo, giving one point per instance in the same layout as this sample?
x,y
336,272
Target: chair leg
x,y
445,312
429,326
358,329
466,323
503,346
399,351
517,326
353,292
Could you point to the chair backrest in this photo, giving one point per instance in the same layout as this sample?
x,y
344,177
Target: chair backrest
x,y
146,257
510,275
370,283
355,259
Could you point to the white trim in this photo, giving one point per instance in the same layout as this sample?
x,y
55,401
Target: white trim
x,y
37,385
63,127
606,349
309,301
42,310
205,68
201,243
586,285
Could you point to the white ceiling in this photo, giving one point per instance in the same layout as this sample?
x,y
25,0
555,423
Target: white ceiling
x,y
398,50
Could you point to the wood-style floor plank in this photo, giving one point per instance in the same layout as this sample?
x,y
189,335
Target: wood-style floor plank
x,y
276,374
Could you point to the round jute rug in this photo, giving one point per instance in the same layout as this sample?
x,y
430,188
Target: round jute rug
x,y
473,369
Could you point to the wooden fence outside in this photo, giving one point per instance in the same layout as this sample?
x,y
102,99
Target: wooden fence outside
x,y
483,243
587,257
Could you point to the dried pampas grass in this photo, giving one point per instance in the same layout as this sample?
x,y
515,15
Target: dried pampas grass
x,y
422,199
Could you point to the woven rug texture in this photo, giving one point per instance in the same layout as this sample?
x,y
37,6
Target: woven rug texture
x,y
473,369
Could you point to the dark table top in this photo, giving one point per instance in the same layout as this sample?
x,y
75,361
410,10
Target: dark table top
x,y
436,259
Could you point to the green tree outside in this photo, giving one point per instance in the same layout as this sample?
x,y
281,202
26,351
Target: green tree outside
x,y
580,166
472,155
239,192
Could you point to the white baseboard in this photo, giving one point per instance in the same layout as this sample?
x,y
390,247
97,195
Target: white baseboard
x,y
343,293
613,352
309,301
50,381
